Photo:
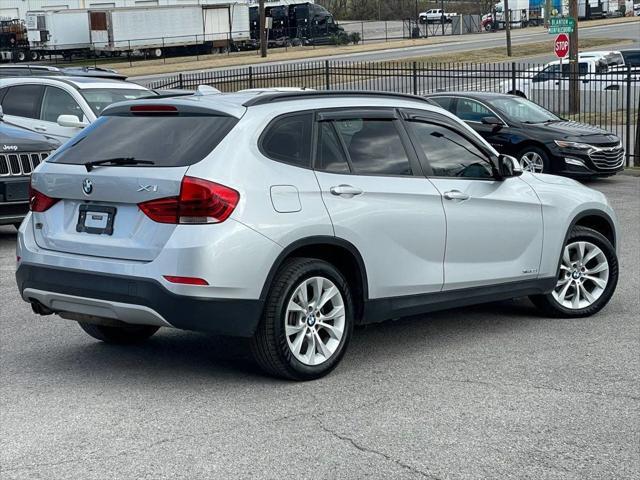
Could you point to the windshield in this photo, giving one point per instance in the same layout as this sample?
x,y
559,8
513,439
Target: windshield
x,y
100,98
522,110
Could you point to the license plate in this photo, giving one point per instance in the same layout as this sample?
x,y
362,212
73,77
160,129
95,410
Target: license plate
x,y
96,219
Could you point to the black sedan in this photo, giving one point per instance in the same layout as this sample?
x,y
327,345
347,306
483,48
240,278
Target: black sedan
x,y
540,140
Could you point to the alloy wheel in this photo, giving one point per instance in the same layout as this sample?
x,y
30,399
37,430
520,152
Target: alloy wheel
x,y
532,162
584,274
315,320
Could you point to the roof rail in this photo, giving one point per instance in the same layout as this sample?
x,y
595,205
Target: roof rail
x,y
266,98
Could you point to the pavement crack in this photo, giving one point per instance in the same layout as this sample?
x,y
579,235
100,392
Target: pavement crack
x,y
372,451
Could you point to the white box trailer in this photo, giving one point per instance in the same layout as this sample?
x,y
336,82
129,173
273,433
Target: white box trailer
x,y
162,29
58,31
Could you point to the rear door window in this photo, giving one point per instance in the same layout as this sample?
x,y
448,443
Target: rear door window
x,y
374,146
23,101
168,141
444,102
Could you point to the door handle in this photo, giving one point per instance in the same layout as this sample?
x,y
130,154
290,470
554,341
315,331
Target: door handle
x,y
40,128
455,195
345,191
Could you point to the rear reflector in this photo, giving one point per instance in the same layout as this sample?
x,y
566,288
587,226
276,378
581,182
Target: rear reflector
x,y
39,202
199,202
185,280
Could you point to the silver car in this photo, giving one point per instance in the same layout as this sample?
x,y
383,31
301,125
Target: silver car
x,y
290,217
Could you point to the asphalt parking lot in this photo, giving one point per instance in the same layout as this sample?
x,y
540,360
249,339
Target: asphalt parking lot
x,y
488,392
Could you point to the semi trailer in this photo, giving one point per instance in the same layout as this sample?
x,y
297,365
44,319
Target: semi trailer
x,y
154,31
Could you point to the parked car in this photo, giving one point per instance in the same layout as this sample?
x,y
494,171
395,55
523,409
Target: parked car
x,y
61,106
20,152
289,217
49,71
540,140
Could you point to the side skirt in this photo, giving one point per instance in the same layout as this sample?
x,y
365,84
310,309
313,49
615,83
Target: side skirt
x,y
381,309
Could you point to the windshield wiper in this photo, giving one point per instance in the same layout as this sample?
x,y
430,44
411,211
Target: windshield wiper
x,y
117,161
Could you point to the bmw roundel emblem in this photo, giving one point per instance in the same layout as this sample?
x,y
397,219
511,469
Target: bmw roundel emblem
x,y
87,186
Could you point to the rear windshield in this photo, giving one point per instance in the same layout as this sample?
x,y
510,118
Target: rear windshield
x,y
167,141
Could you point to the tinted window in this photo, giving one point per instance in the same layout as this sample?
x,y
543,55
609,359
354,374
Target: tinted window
x,y
450,154
472,111
22,101
288,139
374,146
632,58
444,102
330,155
56,102
168,141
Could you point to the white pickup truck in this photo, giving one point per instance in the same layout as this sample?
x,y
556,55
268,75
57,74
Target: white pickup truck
x,y
435,15
596,72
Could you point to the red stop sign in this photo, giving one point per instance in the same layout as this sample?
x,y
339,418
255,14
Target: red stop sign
x,y
561,45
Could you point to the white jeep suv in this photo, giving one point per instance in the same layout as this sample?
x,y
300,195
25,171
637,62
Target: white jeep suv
x,y
290,217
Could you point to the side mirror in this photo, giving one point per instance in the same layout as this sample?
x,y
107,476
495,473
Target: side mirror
x,y
509,166
496,123
71,121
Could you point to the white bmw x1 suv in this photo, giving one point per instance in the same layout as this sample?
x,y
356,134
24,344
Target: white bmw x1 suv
x,y
291,217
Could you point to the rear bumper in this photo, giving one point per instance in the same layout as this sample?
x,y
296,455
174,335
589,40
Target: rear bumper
x,y
129,298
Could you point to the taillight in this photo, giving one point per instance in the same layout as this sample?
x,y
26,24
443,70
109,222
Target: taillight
x,y
39,202
200,201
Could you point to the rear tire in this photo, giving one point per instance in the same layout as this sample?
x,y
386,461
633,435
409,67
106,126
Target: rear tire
x,y
124,335
598,265
307,321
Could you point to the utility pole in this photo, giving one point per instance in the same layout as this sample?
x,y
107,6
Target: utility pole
x,y
506,16
574,71
547,13
263,30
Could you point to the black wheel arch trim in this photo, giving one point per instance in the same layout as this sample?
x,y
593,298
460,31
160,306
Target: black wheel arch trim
x,y
587,213
318,240
593,213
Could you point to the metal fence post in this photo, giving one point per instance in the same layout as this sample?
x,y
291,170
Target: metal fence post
x,y
415,78
327,77
513,76
628,120
180,80
250,76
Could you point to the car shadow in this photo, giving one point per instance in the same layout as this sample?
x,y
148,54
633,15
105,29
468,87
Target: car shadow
x,y
173,355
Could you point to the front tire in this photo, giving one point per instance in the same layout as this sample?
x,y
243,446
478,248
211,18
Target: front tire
x,y
122,335
534,159
307,321
587,277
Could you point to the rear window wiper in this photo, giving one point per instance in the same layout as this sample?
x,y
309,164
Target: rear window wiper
x,y
117,161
